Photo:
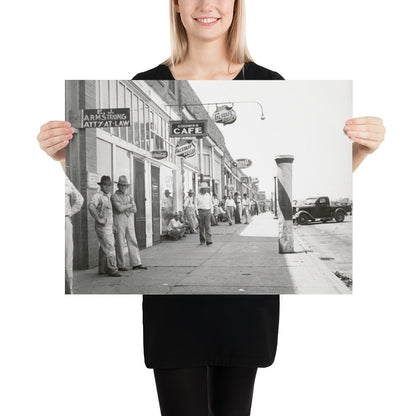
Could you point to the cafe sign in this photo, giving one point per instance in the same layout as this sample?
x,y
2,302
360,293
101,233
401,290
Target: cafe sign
x,y
225,114
105,117
187,129
185,149
159,154
243,163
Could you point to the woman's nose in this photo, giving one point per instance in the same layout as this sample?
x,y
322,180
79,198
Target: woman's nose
x,y
206,5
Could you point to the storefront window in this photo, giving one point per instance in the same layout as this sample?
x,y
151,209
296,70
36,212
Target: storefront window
x,y
104,158
136,121
129,104
113,103
122,104
147,122
141,124
207,165
122,164
105,98
152,131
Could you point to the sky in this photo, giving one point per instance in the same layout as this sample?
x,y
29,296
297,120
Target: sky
x,y
303,118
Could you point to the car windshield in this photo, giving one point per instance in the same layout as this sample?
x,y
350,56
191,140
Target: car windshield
x,y
310,201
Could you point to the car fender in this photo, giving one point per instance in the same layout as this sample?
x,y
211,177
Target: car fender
x,y
306,213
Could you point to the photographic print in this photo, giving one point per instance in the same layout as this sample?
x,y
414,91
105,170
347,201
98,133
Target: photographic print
x,y
208,187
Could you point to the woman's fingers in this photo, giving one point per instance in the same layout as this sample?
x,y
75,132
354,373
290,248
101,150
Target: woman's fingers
x,y
51,134
364,120
53,150
54,136
368,132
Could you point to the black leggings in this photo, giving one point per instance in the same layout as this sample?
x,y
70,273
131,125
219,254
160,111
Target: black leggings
x,y
205,391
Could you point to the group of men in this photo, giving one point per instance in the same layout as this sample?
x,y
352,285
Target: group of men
x,y
114,224
114,221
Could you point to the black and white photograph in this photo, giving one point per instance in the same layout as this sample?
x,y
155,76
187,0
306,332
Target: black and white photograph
x,y
208,187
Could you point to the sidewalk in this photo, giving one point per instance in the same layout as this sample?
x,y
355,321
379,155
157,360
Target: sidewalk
x,y
243,259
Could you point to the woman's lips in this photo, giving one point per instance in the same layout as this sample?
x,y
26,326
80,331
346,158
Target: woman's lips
x,y
207,21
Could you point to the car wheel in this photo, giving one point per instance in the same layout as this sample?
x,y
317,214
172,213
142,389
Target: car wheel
x,y
339,217
303,219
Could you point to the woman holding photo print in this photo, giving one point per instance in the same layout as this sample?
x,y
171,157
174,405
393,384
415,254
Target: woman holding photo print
x,y
205,349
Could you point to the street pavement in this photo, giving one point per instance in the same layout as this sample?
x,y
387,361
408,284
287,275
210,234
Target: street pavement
x,y
331,242
243,259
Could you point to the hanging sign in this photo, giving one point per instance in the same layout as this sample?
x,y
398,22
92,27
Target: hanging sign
x,y
243,163
187,129
225,114
185,148
105,117
244,179
159,154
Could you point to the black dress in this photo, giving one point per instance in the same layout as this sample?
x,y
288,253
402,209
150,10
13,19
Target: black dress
x,y
199,330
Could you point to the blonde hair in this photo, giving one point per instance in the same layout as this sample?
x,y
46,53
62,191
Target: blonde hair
x,y
236,40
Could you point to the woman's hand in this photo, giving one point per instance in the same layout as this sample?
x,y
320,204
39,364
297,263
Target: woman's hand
x,y
53,138
367,133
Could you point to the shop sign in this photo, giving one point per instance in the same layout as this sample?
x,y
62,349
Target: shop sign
x,y
105,117
244,179
225,114
261,196
243,163
159,154
187,129
185,149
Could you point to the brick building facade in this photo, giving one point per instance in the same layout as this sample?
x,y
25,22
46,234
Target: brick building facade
x,y
116,151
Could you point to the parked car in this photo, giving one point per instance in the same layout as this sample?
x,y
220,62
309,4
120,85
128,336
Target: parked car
x,y
314,209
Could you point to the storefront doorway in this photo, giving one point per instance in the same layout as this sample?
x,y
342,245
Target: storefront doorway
x,y
140,199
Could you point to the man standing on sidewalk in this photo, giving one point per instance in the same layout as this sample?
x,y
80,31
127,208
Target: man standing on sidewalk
x,y
101,210
229,209
190,211
246,208
124,209
203,203
73,204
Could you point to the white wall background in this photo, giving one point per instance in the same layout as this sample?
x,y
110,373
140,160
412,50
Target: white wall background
x,y
83,354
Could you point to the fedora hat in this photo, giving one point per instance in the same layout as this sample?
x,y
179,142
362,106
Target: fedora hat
x,y
105,180
122,180
191,191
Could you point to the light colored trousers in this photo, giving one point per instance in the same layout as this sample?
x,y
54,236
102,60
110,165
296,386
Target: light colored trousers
x,y
124,226
230,214
107,251
69,255
204,225
190,214
246,213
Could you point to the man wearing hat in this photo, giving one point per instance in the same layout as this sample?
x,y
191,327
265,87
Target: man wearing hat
x,y
190,211
167,210
101,210
124,209
203,203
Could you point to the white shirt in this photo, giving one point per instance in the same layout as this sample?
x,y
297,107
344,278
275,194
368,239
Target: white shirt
x,y
203,201
229,203
174,224
189,202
